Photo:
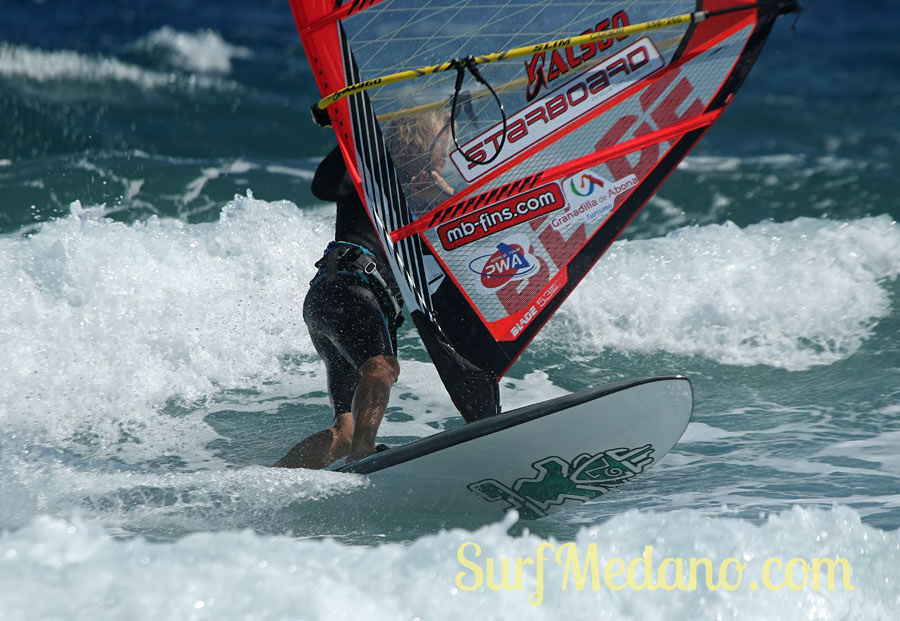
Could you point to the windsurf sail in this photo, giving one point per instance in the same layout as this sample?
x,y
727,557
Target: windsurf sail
x,y
500,148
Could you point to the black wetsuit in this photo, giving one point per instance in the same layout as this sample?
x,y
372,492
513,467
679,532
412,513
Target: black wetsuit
x,y
351,315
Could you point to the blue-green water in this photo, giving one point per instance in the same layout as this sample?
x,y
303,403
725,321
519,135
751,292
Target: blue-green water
x,y
156,235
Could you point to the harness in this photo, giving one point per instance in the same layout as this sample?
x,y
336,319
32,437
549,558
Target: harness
x,y
344,258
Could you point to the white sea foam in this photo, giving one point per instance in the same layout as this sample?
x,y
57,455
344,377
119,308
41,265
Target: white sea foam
x,y
203,51
195,187
797,163
103,323
41,481
106,324
109,326
706,163
880,451
792,295
73,569
65,65
288,171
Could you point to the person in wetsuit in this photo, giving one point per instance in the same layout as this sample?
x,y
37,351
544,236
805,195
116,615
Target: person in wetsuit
x,y
352,311
353,307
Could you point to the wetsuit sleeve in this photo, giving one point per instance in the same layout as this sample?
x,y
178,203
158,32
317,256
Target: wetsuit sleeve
x,y
332,182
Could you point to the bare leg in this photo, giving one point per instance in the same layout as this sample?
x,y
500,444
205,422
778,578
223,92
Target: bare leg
x,y
321,448
353,432
370,400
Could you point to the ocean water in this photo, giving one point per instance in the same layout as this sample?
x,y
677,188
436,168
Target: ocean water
x,y
157,232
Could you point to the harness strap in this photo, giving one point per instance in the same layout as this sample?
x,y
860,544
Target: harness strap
x,y
343,257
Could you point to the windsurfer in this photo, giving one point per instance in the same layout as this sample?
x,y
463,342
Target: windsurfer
x,y
352,311
353,306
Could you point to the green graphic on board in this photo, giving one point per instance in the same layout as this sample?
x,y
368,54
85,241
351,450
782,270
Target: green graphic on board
x,y
558,481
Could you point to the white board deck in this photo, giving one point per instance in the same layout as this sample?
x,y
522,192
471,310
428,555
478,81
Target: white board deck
x,y
541,458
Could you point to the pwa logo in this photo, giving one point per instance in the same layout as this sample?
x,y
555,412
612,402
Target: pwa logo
x,y
510,261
